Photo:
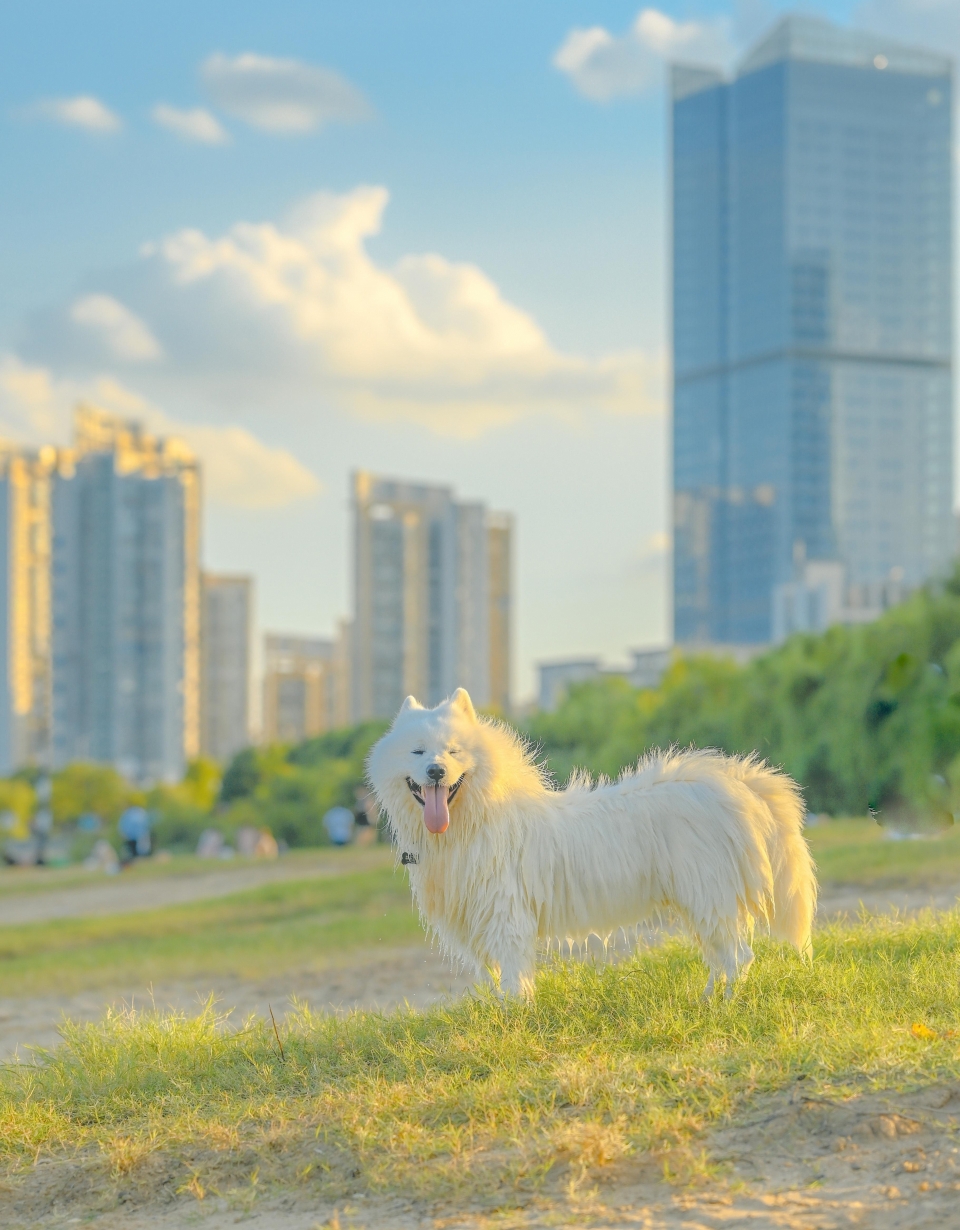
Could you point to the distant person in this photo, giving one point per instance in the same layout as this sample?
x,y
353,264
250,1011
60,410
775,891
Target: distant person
x,y
339,825
266,846
134,829
41,829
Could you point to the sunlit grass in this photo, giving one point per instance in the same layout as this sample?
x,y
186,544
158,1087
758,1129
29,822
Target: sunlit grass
x,y
605,1061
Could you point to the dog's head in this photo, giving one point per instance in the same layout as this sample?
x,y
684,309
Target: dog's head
x,y
447,768
423,764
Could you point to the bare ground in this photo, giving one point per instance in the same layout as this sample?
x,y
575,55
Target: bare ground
x,y
414,975
882,1162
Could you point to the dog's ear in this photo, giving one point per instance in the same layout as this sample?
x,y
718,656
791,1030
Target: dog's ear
x,y
410,703
461,700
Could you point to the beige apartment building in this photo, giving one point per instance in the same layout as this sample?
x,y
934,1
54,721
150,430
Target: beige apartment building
x,y
305,686
25,663
125,597
500,547
432,597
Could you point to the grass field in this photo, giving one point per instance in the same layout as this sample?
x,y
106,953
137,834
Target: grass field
x,y
475,1096
288,925
484,1095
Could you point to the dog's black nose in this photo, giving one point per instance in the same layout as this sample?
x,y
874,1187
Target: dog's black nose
x,y
435,772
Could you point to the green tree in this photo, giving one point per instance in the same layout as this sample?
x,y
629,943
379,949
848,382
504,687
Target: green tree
x,y
82,788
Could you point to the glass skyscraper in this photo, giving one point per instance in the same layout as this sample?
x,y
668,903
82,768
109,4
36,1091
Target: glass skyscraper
x,y
812,331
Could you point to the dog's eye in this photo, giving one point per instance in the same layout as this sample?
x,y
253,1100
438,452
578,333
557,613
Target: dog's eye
x,y
418,751
453,751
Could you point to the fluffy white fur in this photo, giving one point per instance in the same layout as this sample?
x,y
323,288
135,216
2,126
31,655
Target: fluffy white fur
x,y
715,839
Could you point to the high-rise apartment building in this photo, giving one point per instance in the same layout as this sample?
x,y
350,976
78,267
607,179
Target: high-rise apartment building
x,y
25,479
226,629
126,600
432,597
812,332
500,572
304,687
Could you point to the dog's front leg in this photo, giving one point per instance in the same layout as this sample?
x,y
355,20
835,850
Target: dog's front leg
x,y
517,967
516,981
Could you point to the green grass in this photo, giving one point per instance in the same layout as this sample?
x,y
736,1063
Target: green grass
x,y
861,852
488,1096
282,926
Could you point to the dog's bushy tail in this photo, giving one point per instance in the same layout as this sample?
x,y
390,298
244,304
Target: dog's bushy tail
x,y
794,874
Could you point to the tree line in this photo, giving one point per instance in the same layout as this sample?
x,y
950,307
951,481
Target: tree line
x,y
865,717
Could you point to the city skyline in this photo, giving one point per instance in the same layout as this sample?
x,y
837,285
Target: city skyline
x,y
155,227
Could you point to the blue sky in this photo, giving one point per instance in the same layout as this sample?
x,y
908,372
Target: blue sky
x,y
423,239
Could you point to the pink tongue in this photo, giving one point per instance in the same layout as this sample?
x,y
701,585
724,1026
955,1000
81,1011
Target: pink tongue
x,y
436,814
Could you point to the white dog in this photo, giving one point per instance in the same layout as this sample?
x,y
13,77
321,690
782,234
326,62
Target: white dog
x,y
499,860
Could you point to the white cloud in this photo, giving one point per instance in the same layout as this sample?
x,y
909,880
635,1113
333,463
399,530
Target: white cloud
x,y
81,112
31,404
603,66
281,96
428,340
296,318
192,125
122,332
239,470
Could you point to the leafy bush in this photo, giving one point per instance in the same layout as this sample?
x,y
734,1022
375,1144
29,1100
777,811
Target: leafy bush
x,y
290,789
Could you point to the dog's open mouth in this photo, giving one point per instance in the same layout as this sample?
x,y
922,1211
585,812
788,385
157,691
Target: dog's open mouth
x,y
435,801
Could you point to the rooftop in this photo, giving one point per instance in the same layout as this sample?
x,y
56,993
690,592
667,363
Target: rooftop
x,y
799,37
